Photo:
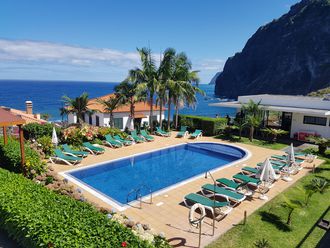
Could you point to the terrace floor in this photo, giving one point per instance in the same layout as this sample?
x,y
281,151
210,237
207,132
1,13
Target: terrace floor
x,y
168,214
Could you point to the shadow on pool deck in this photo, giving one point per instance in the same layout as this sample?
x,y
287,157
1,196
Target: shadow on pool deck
x,y
6,242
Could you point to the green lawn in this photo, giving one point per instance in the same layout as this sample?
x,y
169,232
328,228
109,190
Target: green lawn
x,y
269,222
256,142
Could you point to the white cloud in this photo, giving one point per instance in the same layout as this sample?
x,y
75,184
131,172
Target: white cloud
x,y
35,51
47,60
210,65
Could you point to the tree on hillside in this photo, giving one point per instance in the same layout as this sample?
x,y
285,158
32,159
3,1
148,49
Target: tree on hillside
x,y
78,106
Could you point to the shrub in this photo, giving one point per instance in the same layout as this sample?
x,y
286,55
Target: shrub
x,y
46,145
208,125
35,130
37,217
102,131
10,158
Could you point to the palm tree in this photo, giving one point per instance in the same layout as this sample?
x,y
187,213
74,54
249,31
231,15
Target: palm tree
x,y
253,117
78,106
146,78
180,86
164,75
129,93
240,123
110,105
274,133
322,143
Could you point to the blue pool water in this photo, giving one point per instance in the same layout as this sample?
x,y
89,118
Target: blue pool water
x,y
157,170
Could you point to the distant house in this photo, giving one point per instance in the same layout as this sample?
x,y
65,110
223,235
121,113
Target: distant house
x,y
26,114
301,115
101,117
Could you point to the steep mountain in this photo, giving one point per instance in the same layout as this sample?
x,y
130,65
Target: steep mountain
x,y
214,78
290,55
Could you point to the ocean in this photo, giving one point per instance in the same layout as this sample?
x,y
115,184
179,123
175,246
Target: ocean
x,y
47,96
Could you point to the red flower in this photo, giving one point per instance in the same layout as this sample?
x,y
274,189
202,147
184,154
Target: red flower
x,y
123,244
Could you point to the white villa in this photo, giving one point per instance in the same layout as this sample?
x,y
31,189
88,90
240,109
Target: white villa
x,y
301,115
121,114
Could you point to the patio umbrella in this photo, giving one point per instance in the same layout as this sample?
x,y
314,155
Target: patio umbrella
x,y
54,137
291,156
267,175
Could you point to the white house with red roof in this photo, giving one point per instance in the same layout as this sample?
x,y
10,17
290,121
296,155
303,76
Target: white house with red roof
x,y
121,115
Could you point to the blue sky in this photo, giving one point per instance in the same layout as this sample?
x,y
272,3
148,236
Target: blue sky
x,y
96,40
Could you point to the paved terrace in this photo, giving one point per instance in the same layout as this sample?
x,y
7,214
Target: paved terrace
x,y
168,214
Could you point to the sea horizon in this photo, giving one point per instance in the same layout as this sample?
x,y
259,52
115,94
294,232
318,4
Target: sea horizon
x,y
46,96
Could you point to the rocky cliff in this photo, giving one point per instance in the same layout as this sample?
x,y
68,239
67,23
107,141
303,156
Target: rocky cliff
x,y
290,55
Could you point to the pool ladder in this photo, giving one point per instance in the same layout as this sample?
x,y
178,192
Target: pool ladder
x,y
138,195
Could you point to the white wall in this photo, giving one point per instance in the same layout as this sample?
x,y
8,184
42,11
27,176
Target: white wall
x,y
299,126
105,118
72,118
288,101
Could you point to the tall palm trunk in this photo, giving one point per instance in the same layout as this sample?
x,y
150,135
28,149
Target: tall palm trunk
x,y
169,112
111,120
176,114
251,133
151,112
160,112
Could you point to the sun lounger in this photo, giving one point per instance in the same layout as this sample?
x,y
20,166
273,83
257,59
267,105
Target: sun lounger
x,y
68,159
112,142
255,182
234,186
162,133
136,138
92,148
284,158
195,135
218,209
183,132
250,170
277,168
209,190
246,179
123,141
146,136
67,150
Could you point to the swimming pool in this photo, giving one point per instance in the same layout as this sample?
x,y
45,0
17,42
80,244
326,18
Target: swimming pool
x,y
154,170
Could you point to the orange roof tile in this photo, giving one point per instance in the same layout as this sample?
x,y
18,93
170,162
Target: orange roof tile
x,y
28,118
93,104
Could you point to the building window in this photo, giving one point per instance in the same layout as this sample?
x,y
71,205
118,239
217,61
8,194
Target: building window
x,y
313,120
118,123
90,120
97,121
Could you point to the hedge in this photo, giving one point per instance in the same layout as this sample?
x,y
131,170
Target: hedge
x,y
10,157
36,130
37,217
207,124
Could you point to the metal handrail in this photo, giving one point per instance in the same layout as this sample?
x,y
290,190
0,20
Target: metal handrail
x,y
138,195
148,188
131,192
214,184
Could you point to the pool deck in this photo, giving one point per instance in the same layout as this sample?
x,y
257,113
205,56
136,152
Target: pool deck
x,y
167,213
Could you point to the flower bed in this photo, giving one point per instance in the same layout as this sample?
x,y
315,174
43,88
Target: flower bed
x,y
37,217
